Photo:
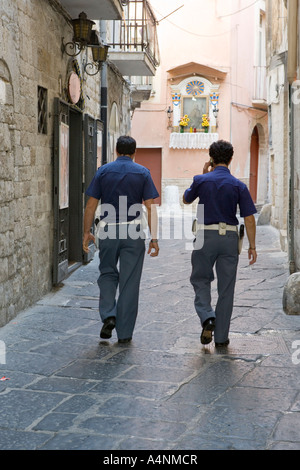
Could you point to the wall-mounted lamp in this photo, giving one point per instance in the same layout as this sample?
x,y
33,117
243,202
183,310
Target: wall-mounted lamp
x,y
84,36
215,112
99,51
82,29
214,101
169,114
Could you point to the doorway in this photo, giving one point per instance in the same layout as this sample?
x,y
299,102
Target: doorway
x,y
151,159
74,138
75,190
254,157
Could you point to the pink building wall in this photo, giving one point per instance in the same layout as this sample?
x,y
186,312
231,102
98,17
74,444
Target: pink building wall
x,y
223,36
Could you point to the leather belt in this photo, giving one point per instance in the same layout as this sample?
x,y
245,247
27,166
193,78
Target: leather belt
x,y
135,222
222,228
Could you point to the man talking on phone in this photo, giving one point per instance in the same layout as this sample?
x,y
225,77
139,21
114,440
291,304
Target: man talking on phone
x,y
220,193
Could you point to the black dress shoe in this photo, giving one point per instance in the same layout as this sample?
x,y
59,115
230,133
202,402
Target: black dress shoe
x,y
222,345
208,328
125,340
107,327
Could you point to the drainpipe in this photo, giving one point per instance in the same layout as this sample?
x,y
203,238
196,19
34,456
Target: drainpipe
x,y
103,94
292,76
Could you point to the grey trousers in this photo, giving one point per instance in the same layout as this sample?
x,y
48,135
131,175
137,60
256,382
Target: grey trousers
x,y
220,251
121,264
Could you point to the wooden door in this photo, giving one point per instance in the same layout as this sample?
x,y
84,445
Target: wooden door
x,y
151,159
254,156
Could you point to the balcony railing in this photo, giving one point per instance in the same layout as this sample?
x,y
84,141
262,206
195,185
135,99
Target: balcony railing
x,y
141,90
141,81
136,32
260,83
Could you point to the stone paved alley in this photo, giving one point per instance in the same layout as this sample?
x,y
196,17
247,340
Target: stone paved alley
x,y
65,389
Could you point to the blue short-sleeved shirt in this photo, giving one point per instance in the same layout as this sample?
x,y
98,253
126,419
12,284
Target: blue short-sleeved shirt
x,y
123,177
221,193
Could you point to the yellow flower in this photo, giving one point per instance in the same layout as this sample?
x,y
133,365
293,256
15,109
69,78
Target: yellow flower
x,y
205,120
184,120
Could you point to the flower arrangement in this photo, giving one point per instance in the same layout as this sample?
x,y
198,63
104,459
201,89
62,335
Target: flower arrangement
x,y
205,120
184,121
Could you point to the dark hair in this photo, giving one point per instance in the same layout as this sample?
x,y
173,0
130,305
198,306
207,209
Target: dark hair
x,y
126,145
221,152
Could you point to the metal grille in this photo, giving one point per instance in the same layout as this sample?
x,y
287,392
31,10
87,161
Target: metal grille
x,y
42,110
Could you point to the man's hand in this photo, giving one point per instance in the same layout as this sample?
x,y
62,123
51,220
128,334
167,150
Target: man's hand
x,y
153,224
87,237
251,233
207,167
89,213
153,245
252,256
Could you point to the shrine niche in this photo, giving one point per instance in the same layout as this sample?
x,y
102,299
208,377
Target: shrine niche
x,y
194,120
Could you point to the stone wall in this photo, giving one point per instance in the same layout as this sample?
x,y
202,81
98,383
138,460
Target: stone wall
x,y
278,102
30,56
116,83
297,185
279,167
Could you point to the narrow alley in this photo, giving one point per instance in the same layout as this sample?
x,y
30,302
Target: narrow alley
x,y
64,388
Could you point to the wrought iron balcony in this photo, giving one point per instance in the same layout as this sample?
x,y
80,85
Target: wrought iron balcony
x,y
133,40
260,86
141,89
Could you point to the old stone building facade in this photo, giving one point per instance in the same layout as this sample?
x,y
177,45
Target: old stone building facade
x,y
283,61
278,102
52,138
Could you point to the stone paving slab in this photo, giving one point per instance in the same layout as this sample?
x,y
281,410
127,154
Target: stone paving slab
x,y
66,389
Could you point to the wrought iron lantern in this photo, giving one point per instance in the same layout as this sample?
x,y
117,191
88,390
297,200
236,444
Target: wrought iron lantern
x,y
99,52
215,112
214,100
82,30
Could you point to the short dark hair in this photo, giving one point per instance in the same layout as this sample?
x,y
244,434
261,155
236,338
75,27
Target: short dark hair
x,y
221,152
126,145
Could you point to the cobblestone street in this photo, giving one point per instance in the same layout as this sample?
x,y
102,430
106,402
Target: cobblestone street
x,y
66,389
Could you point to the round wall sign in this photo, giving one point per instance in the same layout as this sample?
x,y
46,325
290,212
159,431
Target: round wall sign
x,y
74,87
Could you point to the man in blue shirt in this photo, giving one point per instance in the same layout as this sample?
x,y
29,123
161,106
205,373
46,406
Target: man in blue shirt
x,y
220,193
121,186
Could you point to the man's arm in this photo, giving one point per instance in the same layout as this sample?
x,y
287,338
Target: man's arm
x,y
152,222
184,201
251,234
88,220
191,193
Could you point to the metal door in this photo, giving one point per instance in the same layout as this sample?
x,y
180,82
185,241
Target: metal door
x,y
61,191
75,190
90,164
